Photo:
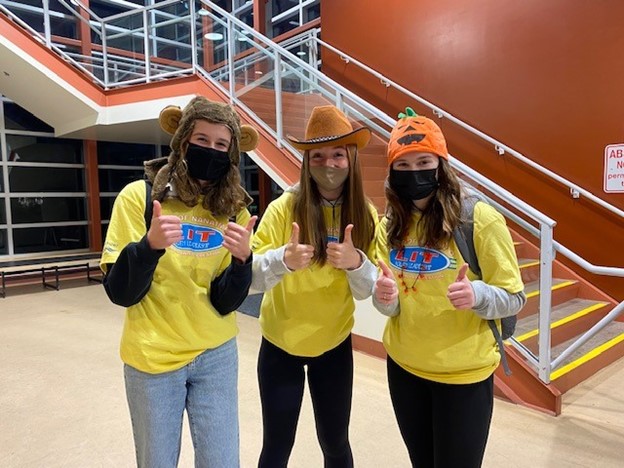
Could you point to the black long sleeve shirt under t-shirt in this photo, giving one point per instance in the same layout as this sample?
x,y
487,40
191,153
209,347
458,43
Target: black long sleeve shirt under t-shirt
x,y
129,279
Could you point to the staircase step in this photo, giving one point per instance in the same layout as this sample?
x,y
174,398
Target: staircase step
x,y
561,314
601,350
567,321
562,290
529,269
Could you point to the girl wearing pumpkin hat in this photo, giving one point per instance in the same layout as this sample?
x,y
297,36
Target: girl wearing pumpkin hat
x,y
310,258
180,265
441,351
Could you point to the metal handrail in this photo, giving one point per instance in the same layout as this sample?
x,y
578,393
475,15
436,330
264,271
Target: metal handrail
x,y
501,148
80,17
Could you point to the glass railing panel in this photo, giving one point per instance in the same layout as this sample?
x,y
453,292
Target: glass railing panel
x,y
29,11
92,64
124,37
212,42
170,32
361,114
254,85
299,95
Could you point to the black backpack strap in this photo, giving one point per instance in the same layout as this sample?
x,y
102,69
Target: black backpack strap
x,y
149,206
501,346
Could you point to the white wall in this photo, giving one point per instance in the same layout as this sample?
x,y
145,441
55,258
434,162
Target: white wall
x,y
368,321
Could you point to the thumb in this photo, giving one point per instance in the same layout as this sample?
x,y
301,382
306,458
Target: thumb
x,y
347,235
294,237
385,270
462,273
251,223
157,211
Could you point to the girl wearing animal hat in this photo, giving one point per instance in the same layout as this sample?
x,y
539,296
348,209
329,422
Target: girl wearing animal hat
x,y
441,351
180,272
309,258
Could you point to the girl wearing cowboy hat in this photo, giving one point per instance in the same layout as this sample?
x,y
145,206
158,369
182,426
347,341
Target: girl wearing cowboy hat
x,y
441,351
180,276
309,259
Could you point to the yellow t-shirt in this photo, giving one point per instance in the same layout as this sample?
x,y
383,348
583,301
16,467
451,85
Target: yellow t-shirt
x,y
429,338
175,321
309,311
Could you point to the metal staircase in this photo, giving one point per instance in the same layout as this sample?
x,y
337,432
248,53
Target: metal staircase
x,y
568,330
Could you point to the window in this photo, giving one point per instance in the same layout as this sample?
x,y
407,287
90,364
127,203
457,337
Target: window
x,y
290,14
44,202
249,181
16,118
40,149
42,239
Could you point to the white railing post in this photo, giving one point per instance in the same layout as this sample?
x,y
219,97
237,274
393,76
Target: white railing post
x,y
193,36
277,78
146,47
46,22
104,55
545,301
230,59
339,101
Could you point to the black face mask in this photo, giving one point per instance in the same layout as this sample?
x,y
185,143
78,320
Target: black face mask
x,y
206,163
413,185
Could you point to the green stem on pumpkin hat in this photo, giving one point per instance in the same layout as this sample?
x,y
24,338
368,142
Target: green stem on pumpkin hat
x,y
409,112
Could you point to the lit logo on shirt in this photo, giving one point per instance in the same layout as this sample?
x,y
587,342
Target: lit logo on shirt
x,y
419,259
199,238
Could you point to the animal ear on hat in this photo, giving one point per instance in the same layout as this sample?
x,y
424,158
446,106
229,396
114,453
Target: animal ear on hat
x,y
248,139
169,119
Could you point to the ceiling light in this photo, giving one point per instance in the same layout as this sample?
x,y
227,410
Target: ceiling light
x,y
258,72
301,53
203,12
214,36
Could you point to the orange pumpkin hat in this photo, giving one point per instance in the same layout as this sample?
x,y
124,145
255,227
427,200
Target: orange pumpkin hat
x,y
415,133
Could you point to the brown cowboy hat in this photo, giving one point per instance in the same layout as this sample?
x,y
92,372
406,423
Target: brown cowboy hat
x,y
328,126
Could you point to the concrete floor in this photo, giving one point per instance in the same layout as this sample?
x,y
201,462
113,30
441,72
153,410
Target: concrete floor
x,y
62,400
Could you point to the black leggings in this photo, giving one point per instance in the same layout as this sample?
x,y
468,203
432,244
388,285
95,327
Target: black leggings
x,y
443,425
282,379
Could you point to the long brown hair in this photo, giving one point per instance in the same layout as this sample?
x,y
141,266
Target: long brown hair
x,y
308,209
441,216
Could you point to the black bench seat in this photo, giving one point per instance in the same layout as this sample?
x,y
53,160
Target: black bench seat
x,y
44,265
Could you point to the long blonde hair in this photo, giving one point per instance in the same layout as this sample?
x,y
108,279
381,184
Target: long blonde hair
x,y
308,209
441,216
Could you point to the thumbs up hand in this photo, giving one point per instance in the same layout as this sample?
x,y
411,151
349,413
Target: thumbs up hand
x,y
236,239
385,289
164,230
460,293
297,256
344,255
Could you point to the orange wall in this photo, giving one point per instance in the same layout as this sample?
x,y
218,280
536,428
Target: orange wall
x,y
545,78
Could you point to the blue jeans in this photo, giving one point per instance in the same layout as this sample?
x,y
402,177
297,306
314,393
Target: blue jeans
x,y
207,389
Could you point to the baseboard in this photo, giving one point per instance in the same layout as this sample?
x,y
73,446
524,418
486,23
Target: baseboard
x,y
368,346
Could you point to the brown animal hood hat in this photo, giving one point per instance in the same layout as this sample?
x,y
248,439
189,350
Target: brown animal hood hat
x,y
223,197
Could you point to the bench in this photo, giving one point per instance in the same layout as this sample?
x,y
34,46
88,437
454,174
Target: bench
x,y
47,265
